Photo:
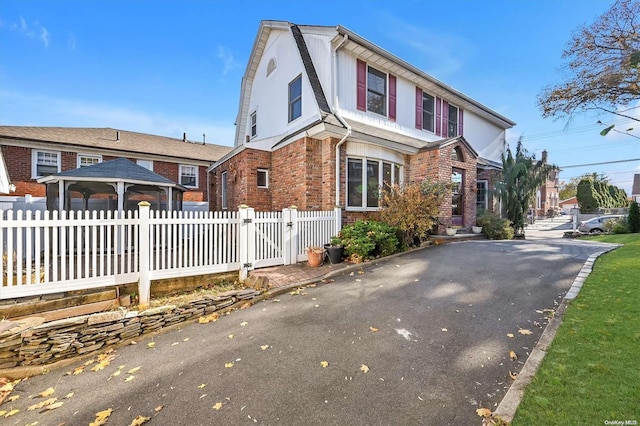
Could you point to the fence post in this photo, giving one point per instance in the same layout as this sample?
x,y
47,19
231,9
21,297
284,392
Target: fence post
x,y
290,235
337,211
247,240
144,252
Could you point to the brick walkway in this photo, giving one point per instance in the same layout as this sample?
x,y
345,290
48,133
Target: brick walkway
x,y
280,276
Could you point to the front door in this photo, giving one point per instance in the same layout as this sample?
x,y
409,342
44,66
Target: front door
x,y
457,197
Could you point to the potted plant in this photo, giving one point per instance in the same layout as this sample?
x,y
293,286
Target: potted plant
x,y
451,231
315,256
481,218
334,249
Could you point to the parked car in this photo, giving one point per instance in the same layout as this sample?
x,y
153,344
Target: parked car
x,y
596,224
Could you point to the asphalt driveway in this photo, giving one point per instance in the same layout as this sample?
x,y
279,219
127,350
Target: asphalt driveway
x,y
423,338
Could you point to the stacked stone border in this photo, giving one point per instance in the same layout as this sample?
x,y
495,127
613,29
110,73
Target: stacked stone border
x,y
32,342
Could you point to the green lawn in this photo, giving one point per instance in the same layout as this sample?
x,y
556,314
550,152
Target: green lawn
x,y
591,372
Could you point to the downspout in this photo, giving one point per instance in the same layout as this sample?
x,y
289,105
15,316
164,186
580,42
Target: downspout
x,y
337,114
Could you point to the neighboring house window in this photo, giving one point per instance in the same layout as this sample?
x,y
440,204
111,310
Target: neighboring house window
x,y
147,164
189,176
365,177
428,113
223,191
452,122
456,154
295,98
45,163
376,91
254,124
85,160
482,195
263,178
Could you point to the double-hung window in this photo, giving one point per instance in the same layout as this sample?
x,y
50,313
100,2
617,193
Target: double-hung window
x,y
223,190
45,163
262,178
376,91
366,177
85,160
428,115
482,195
295,98
254,124
452,122
189,176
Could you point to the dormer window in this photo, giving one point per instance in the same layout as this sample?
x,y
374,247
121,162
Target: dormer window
x,y
254,123
295,98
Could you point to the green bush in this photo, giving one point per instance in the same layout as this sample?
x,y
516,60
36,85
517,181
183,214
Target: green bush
x,y
620,227
633,220
368,239
494,226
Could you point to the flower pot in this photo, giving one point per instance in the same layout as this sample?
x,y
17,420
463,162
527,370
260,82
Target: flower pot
x,y
476,229
334,253
315,256
451,231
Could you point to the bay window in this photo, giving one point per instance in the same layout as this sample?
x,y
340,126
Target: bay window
x,y
366,177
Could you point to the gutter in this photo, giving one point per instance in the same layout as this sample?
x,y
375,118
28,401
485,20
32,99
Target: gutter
x,y
337,114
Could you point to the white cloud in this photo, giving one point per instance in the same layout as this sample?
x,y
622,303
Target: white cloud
x,y
20,109
228,61
44,36
40,32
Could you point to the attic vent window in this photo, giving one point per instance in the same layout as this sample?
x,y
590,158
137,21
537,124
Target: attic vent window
x,y
456,154
271,66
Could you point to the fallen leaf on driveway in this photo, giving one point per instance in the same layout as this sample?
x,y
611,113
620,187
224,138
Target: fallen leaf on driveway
x,y
11,413
444,329
513,375
41,404
209,318
101,417
151,344
217,406
46,393
69,395
509,334
228,365
483,412
524,331
158,408
202,386
129,378
246,305
54,406
244,324
324,364
513,355
78,370
133,370
139,420
264,347
230,336
373,329
364,368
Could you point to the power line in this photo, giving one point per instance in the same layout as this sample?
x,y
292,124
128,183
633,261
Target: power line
x,y
598,164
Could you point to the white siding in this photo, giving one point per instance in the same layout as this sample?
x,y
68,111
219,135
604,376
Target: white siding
x,y
270,96
321,52
485,137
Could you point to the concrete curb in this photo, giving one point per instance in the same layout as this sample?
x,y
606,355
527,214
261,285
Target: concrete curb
x,y
507,408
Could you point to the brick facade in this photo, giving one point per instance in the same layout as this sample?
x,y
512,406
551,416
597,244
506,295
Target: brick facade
x,y
18,161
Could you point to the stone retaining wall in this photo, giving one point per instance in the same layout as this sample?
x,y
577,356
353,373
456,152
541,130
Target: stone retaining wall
x,y
32,342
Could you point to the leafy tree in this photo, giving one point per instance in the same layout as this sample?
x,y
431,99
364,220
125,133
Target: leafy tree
x,y
522,175
603,66
570,189
412,208
593,194
633,220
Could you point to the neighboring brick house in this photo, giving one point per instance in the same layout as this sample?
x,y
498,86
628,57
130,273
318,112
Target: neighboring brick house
x,y
33,152
325,117
547,197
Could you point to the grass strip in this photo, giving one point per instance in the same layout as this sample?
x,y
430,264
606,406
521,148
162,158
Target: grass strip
x,y
591,372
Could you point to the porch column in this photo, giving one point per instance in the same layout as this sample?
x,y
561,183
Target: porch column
x,y
61,195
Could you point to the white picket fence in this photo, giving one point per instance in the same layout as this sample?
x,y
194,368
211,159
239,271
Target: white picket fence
x,y
50,252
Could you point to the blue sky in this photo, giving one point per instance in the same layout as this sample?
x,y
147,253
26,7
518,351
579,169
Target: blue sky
x,y
168,67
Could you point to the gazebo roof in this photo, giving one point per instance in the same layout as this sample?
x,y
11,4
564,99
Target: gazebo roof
x,y
116,170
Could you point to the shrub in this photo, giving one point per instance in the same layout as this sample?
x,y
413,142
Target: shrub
x,y
620,227
494,226
633,220
369,238
412,208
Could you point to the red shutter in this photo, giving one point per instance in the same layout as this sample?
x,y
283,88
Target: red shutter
x,y
445,119
418,108
392,97
362,86
459,121
438,116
